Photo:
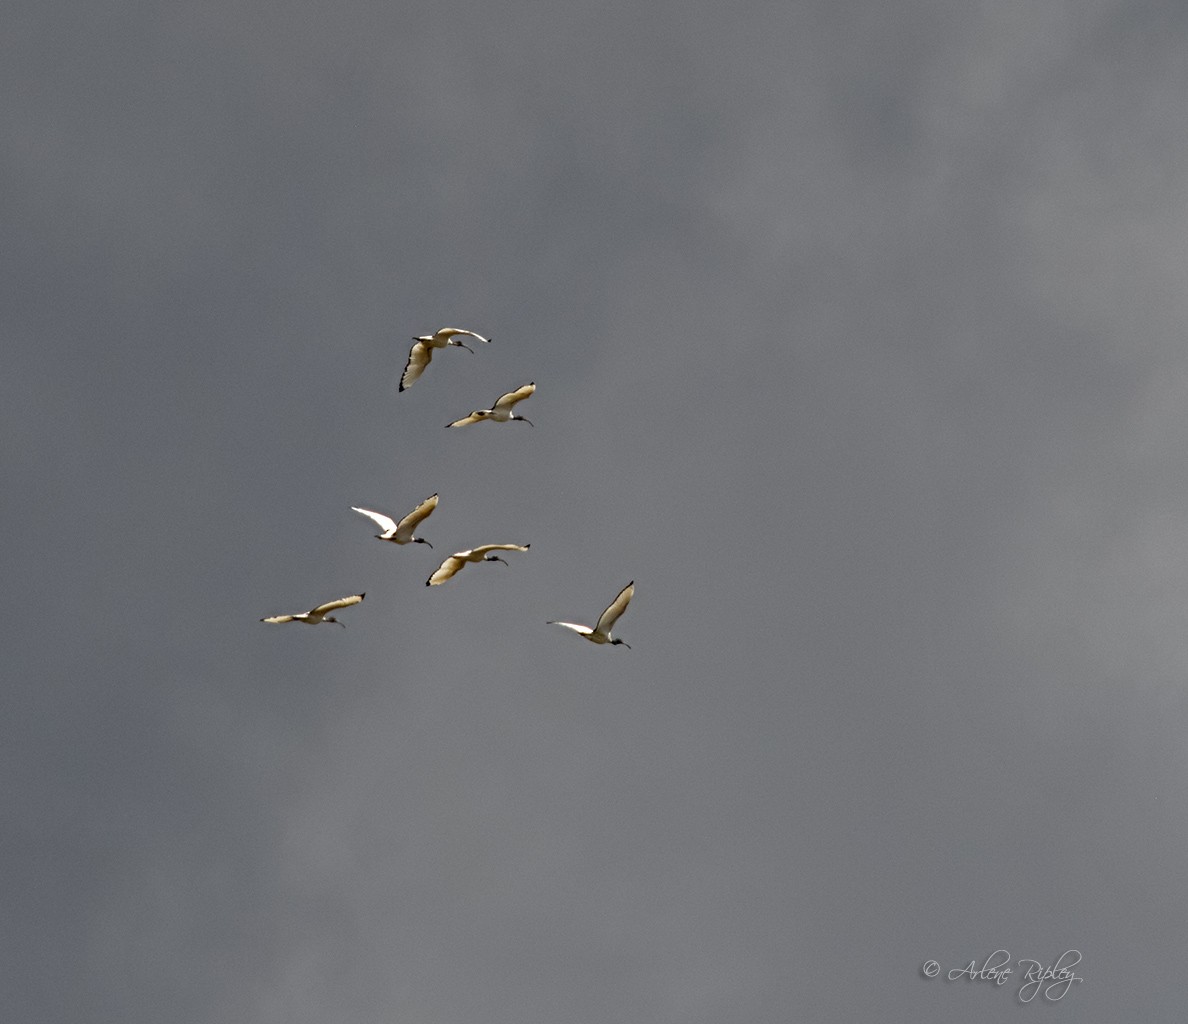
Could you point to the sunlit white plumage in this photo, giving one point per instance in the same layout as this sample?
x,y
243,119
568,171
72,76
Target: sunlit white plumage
x,y
601,633
401,532
420,355
320,613
459,558
501,412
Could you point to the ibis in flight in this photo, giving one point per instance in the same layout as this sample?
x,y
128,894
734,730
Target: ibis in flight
x,y
422,351
459,558
501,412
401,532
601,633
320,613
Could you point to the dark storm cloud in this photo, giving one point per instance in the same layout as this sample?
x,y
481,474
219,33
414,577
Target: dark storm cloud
x,y
857,340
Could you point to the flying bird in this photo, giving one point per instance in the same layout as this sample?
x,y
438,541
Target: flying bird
x,y
502,410
601,633
401,532
320,613
480,554
421,353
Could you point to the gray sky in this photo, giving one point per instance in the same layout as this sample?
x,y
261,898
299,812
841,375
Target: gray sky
x,y
858,336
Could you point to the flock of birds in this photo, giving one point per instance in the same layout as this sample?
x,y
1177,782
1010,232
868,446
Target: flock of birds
x,y
404,531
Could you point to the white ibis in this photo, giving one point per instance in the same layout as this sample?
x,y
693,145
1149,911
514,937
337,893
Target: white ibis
x,y
459,558
320,613
401,532
421,353
601,633
501,412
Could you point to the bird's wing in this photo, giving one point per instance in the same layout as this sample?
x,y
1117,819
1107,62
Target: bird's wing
x,y
279,618
449,332
576,627
447,569
465,421
422,511
418,358
510,399
483,549
616,608
381,520
342,602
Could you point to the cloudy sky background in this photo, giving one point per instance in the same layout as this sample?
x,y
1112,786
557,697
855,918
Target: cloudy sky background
x,y
858,331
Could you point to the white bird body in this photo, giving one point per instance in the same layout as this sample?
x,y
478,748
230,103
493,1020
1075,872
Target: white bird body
x,y
501,411
401,532
601,633
321,613
458,559
420,355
